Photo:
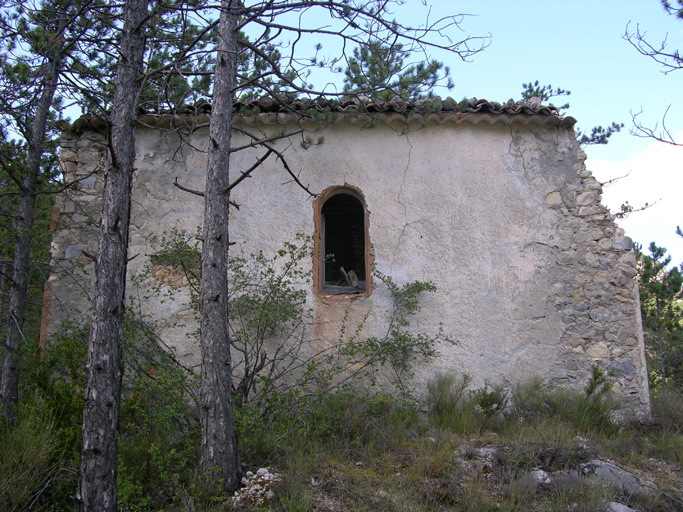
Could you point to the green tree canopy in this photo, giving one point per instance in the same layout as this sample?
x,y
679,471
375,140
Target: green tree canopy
x,y
660,294
380,71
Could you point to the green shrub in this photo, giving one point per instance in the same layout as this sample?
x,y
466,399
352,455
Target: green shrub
x,y
454,408
472,497
665,445
489,404
159,432
32,466
448,404
56,376
589,411
519,490
446,393
529,399
259,441
292,490
667,410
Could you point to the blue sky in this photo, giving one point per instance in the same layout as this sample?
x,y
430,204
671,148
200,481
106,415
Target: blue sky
x,y
578,45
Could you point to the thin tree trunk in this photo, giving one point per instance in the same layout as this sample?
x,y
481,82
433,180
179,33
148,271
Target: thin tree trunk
x,y
660,341
99,456
3,285
16,306
219,442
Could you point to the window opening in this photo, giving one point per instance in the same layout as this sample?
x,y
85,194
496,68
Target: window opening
x,y
343,241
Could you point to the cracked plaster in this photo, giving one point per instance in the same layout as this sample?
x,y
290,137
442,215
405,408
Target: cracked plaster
x,y
533,276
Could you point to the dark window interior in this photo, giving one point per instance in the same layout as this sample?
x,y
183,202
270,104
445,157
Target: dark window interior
x,y
344,244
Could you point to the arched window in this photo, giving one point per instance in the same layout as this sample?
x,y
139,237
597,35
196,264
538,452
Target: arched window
x,y
342,243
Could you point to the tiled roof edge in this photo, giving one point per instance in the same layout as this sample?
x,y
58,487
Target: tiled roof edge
x,y
434,109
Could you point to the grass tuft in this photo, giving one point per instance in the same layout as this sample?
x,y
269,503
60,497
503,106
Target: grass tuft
x,y
31,461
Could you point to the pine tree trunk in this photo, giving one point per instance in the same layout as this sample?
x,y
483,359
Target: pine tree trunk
x,y
99,456
660,341
219,442
16,305
3,285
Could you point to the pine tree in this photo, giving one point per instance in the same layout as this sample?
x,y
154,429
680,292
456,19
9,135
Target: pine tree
x,y
380,71
662,312
29,83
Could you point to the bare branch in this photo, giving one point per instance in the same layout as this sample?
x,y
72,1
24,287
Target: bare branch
x,y
661,135
247,173
185,189
280,157
198,193
669,60
626,209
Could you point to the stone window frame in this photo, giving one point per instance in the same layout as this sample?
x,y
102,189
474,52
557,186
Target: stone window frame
x,y
318,244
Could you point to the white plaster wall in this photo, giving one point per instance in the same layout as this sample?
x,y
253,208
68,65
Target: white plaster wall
x,y
472,208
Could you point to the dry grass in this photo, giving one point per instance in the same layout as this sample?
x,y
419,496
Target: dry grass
x,y
393,460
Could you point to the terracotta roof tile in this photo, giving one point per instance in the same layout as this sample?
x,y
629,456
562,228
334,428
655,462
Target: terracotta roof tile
x,y
441,109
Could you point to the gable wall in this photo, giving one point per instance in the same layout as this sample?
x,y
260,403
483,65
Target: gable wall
x,y
533,276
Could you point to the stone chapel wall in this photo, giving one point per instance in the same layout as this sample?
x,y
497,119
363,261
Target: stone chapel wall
x,y
533,275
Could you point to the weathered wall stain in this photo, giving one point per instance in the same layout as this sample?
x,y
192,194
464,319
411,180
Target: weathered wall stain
x,y
533,275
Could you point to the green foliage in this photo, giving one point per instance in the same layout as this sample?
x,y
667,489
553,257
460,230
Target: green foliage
x,y
400,347
39,252
255,76
589,415
671,8
268,316
293,492
490,402
598,134
528,399
597,384
379,71
339,418
159,445
446,392
268,311
159,432
448,403
543,93
373,452
346,445
627,209
452,406
662,313
667,409
589,412
32,463
57,373
158,442
275,364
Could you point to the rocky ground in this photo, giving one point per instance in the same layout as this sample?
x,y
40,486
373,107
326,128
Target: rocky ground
x,y
495,475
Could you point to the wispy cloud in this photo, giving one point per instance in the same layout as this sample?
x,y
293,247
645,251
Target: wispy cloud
x,y
654,175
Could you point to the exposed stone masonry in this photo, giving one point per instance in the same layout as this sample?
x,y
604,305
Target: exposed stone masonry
x,y
74,222
597,295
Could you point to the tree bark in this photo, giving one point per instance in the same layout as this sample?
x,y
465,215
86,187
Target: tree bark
x,y
16,306
99,456
219,456
660,341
